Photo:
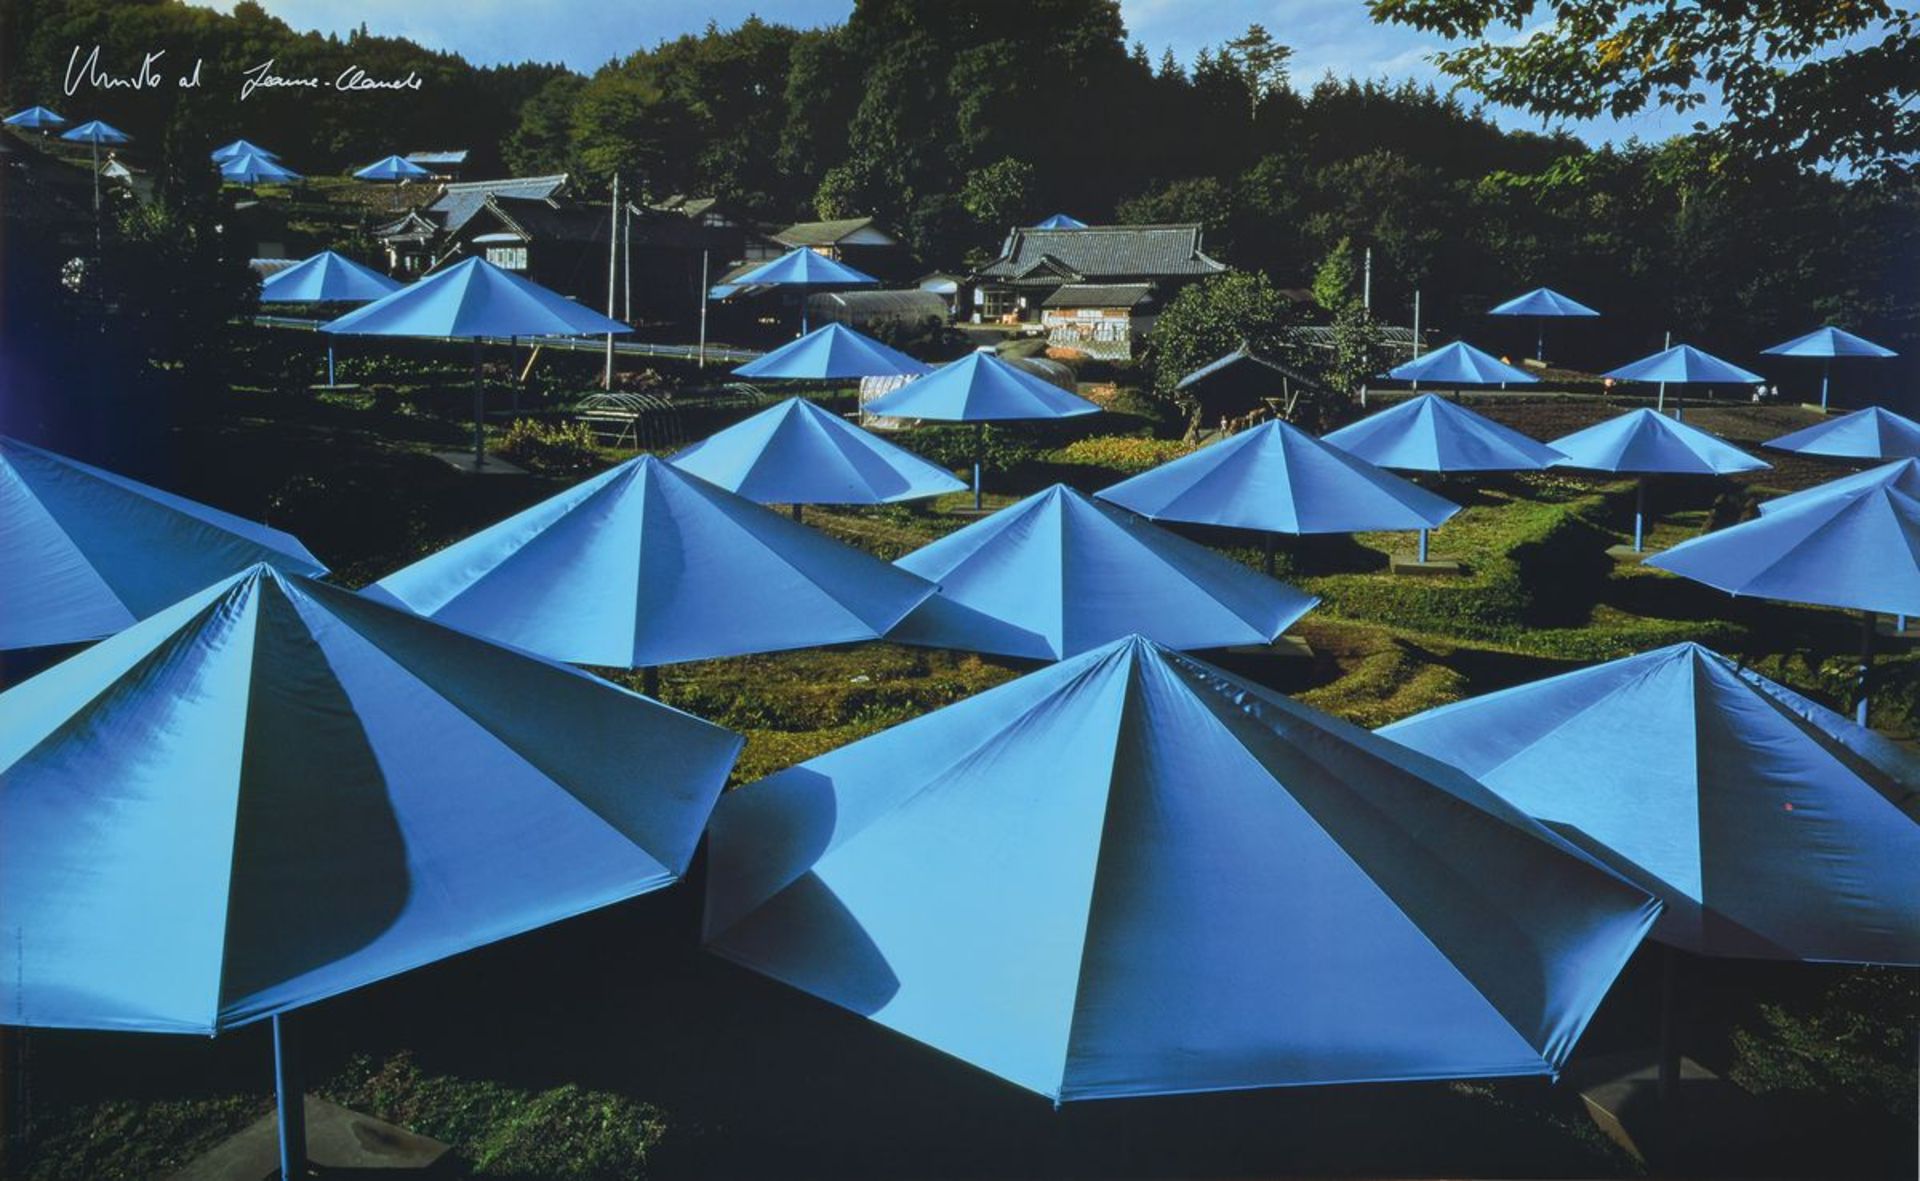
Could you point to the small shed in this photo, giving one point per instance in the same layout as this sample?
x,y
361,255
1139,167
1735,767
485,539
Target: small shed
x,y
1101,320
1245,387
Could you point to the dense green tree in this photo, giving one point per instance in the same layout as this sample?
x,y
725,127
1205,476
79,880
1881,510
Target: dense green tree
x,y
1810,82
1000,195
1210,319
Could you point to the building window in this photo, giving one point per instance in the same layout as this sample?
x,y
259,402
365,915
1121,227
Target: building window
x,y
996,302
508,258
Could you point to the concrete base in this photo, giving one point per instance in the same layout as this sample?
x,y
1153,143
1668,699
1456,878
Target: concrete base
x,y
1626,553
340,1143
971,512
1432,567
323,387
1290,647
1816,408
1710,1124
462,462
1884,626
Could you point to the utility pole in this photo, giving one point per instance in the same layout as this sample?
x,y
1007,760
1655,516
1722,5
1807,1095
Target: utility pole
x,y
1366,283
1660,407
626,261
1416,323
705,293
613,256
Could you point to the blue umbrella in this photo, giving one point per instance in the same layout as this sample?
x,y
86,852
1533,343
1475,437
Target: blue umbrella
x,y
1058,574
277,791
835,351
796,453
1542,303
1644,442
644,565
94,133
982,388
1826,344
1770,826
475,299
249,169
803,268
38,118
1902,475
1460,364
327,278
1134,874
1430,434
1682,364
84,553
1061,221
1857,548
394,168
1277,478
1873,433
241,147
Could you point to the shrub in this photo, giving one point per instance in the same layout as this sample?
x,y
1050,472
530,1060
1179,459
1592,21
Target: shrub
x,y
1857,1043
1125,456
550,447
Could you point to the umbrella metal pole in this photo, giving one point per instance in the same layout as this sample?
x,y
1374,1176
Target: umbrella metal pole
x,y
479,411
796,512
1540,341
289,1095
329,364
650,681
1668,1087
1866,664
1423,547
978,455
1826,371
1639,513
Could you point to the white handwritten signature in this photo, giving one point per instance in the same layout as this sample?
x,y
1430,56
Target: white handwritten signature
x,y
88,72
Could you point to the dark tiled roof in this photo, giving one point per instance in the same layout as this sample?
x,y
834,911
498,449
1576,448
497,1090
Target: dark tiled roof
x,y
1098,295
1105,252
547,221
824,233
441,157
412,225
1242,363
458,202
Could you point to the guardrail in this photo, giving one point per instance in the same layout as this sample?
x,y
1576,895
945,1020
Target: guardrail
x,y
572,344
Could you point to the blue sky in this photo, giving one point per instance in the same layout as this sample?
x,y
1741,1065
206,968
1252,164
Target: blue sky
x,y
1335,35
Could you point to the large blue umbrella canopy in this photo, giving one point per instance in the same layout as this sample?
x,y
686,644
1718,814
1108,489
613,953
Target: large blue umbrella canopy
x,y
1460,364
393,168
1770,826
835,351
1644,442
475,299
1826,344
1543,304
1856,549
1685,365
980,387
1542,301
276,791
802,267
1061,221
1059,574
249,169
1431,434
1279,479
241,147
39,118
1133,874
1902,475
85,553
1873,433
95,132
645,565
327,278
796,453
1829,342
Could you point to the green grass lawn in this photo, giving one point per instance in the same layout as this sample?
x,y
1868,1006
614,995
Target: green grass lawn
x,y
608,1047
